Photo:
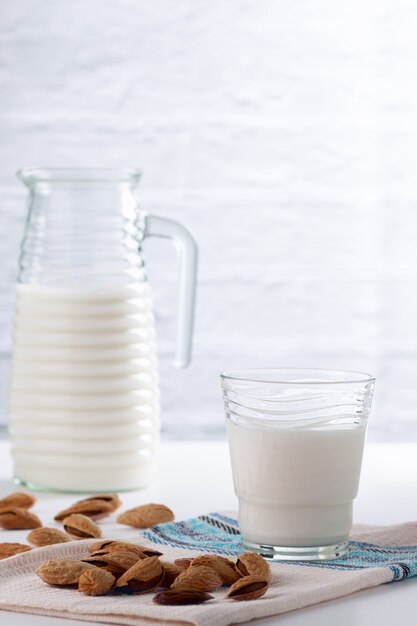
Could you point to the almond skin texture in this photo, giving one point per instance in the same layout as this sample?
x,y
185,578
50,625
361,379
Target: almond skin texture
x,y
248,588
225,568
184,563
201,578
15,518
96,582
108,546
145,575
19,499
136,553
171,571
96,509
174,597
40,537
146,516
111,498
117,563
10,549
64,572
250,563
81,527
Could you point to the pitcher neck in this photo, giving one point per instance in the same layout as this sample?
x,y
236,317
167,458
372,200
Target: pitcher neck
x,y
83,227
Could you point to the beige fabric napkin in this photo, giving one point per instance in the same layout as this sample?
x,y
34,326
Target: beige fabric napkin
x,y
379,555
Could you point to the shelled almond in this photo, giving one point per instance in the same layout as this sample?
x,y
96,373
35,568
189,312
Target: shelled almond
x,y
146,515
96,509
225,568
248,588
133,572
96,582
20,499
145,575
171,571
183,563
175,597
112,499
201,578
115,566
62,572
80,526
113,545
40,537
16,518
116,563
250,563
10,549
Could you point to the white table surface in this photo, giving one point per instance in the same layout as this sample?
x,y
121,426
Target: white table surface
x,y
195,478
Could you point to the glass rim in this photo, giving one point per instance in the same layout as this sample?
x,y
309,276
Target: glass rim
x,y
264,375
32,174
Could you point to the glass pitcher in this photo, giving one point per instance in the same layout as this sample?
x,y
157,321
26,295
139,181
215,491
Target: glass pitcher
x,y
84,398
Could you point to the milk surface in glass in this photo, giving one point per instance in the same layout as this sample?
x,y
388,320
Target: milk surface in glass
x,y
84,387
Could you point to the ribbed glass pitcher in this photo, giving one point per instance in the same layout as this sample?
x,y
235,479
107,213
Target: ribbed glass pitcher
x,y
84,380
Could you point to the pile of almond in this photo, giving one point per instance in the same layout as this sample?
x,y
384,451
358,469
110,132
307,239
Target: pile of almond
x,y
79,521
123,567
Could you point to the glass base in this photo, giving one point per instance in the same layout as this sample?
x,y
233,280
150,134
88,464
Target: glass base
x,y
285,553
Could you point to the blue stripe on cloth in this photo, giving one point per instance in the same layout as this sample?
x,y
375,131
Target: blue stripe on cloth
x,y
220,534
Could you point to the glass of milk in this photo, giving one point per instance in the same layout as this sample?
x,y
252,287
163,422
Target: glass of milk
x,y
296,439
84,401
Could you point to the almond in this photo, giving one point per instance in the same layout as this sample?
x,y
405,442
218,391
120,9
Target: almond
x,y
146,516
136,553
15,518
112,545
19,499
184,563
96,582
201,578
111,498
62,572
225,568
145,575
173,596
171,571
81,527
95,509
248,588
254,564
40,537
116,563
10,549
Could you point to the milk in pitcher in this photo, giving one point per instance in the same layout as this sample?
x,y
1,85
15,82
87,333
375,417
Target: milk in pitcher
x,y
84,387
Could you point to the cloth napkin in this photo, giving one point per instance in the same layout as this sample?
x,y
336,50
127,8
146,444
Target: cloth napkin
x,y
377,555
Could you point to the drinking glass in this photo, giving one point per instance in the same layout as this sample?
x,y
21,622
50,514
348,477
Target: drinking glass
x,y
296,439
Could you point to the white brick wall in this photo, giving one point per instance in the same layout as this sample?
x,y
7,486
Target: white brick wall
x,y
283,133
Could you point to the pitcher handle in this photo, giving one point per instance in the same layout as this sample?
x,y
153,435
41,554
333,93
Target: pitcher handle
x,y
187,261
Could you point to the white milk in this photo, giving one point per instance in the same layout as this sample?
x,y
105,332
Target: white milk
x,y
84,388
296,485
